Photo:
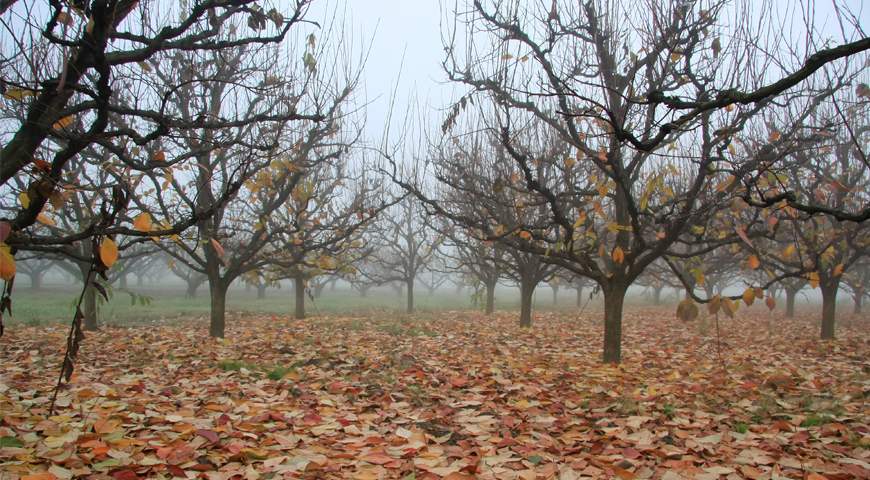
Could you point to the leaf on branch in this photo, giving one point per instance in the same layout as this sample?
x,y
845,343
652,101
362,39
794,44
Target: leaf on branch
x,y
142,222
743,236
63,122
748,297
717,47
277,18
507,56
17,94
813,278
24,199
770,302
46,220
5,228
838,270
145,66
159,156
618,255
862,90
774,136
753,261
217,247
65,18
7,263
109,252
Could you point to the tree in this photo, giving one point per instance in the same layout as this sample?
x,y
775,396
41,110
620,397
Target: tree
x,y
623,85
404,246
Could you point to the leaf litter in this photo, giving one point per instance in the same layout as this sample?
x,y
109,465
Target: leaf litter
x,y
452,395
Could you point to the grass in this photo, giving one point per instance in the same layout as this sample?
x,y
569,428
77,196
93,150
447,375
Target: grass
x,y
54,303
278,373
741,428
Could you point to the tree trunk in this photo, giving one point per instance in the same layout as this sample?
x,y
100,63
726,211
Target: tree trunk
x,y
191,289
555,296
332,284
829,308
299,283
858,300
261,291
36,280
527,292
490,297
139,280
123,281
411,296
90,322
218,290
248,287
459,288
687,295
790,295
614,298
363,291
579,297
319,289
657,295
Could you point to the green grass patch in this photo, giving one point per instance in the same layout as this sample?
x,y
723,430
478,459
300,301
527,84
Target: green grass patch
x,y
816,420
741,428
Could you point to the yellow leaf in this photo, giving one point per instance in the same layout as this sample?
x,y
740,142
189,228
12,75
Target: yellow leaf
x,y
7,263
24,199
143,222
753,262
676,57
145,66
109,252
525,234
838,270
507,56
748,297
64,122
17,94
569,162
788,251
813,278
46,220
170,264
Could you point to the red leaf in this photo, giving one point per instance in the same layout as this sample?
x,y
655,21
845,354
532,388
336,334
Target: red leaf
x,y
209,435
176,470
630,453
125,475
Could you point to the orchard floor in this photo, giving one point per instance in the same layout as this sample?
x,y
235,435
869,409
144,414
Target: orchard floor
x,y
455,395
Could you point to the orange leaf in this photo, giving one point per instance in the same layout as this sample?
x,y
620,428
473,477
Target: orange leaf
x,y
753,261
217,246
159,156
46,220
63,122
838,270
624,474
109,252
618,255
143,222
773,136
458,476
742,235
770,302
41,476
7,264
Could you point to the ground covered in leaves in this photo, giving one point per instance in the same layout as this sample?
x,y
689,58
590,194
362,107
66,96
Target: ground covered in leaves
x,y
453,395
